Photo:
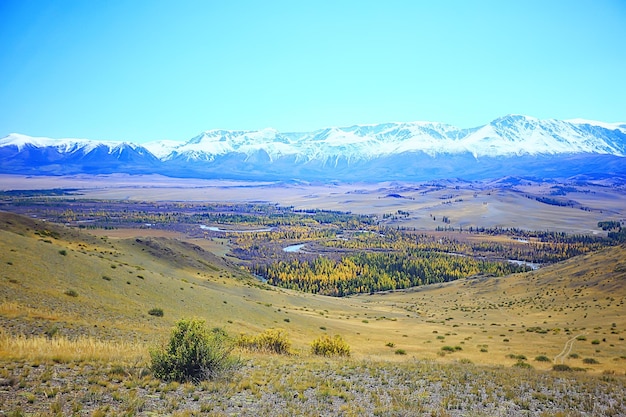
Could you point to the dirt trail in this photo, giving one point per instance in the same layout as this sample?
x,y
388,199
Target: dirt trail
x,y
567,348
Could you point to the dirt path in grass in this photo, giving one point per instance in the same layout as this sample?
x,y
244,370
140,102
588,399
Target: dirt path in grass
x,y
567,349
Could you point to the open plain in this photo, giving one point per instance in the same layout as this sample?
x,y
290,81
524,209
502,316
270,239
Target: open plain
x,y
508,202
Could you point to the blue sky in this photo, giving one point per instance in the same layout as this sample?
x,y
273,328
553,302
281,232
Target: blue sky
x,y
145,70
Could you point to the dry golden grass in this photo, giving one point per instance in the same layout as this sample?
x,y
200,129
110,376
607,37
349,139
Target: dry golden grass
x,y
15,310
63,350
530,314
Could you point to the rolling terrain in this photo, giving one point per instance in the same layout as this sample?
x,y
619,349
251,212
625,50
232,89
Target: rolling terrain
x,y
80,301
104,286
507,202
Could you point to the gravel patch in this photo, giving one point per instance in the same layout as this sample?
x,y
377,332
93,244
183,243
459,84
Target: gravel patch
x,y
280,386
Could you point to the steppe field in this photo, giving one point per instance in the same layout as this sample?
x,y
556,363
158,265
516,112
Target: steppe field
x,y
83,274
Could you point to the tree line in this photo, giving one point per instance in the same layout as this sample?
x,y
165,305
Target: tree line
x,y
367,272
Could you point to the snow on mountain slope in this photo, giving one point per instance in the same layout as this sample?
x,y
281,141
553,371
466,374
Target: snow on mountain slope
x,y
610,126
161,148
519,135
507,136
388,150
212,143
63,145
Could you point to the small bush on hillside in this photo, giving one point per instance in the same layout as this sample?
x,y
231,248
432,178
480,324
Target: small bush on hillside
x,y
71,293
330,346
518,357
63,252
590,361
157,312
193,353
542,358
522,364
270,341
561,367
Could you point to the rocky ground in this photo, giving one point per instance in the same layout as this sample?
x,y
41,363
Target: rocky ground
x,y
287,386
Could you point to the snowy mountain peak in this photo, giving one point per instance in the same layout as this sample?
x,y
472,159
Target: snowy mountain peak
x,y
63,145
512,119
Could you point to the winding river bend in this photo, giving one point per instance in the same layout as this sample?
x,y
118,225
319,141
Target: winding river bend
x,y
294,248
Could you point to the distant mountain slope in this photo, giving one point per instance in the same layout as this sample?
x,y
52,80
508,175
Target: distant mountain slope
x,y
25,154
513,144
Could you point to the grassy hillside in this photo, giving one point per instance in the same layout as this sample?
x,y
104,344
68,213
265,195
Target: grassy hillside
x,y
73,283
76,329
80,284
531,314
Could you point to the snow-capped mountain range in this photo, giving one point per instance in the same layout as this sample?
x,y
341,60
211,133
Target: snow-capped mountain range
x,y
513,144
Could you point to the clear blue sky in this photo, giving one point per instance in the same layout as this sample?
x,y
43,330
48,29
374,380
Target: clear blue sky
x,y
142,70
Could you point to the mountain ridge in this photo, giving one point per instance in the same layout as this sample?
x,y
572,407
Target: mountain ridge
x,y
387,151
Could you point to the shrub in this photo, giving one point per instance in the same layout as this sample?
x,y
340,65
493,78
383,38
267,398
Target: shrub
x,y
193,353
518,357
270,341
157,312
561,367
595,342
327,346
521,364
590,361
542,358
447,349
71,293
400,352
63,252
